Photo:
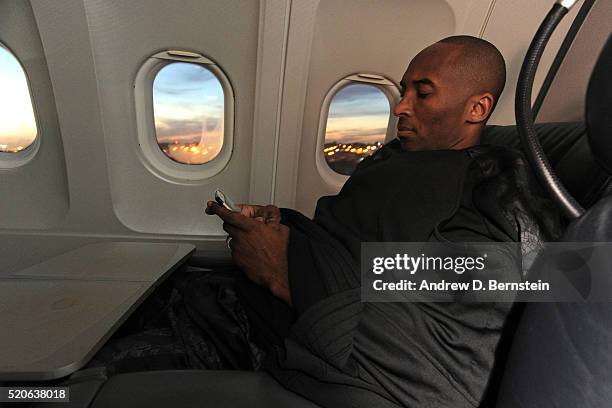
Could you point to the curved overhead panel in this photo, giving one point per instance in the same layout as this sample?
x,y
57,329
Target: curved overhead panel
x,y
378,37
123,35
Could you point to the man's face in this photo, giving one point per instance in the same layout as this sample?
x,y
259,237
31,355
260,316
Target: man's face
x,y
432,109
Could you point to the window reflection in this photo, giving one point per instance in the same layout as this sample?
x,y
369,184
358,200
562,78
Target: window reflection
x,y
356,126
188,105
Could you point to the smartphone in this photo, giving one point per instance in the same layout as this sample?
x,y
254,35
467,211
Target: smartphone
x,y
222,199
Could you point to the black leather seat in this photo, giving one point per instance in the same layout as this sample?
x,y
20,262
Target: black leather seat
x,y
562,352
567,148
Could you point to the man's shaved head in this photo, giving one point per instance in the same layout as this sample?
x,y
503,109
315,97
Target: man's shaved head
x,y
480,63
448,93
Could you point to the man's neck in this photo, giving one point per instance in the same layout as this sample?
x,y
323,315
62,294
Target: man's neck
x,y
469,139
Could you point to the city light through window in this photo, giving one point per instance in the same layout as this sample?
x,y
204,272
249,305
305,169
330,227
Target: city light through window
x,y
17,124
356,126
188,105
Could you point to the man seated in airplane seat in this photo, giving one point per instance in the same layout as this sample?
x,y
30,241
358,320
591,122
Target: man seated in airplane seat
x,y
303,320
343,352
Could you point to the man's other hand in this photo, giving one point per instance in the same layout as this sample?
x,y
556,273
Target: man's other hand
x,y
259,244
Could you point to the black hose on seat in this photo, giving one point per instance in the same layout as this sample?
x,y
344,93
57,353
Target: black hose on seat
x,y
524,115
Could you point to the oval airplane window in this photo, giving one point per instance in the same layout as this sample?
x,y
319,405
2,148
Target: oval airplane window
x,y
17,122
188,105
184,116
355,122
356,126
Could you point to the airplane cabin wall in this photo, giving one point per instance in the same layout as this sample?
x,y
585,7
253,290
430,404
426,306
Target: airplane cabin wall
x,y
90,52
123,35
94,49
33,195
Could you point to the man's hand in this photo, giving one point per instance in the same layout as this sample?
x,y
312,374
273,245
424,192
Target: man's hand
x,y
259,244
267,214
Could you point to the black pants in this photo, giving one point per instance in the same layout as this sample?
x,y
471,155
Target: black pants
x,y
199,319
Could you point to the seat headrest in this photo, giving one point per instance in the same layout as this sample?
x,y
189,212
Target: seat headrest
x,y
599,108
569,153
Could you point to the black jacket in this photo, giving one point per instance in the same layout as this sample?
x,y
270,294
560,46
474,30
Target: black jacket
x,y
343,352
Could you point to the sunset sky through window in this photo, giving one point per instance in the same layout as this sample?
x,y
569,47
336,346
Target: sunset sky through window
x,y
17,124
358,114
188,105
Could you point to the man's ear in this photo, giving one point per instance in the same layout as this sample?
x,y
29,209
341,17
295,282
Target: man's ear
x,y
480,107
